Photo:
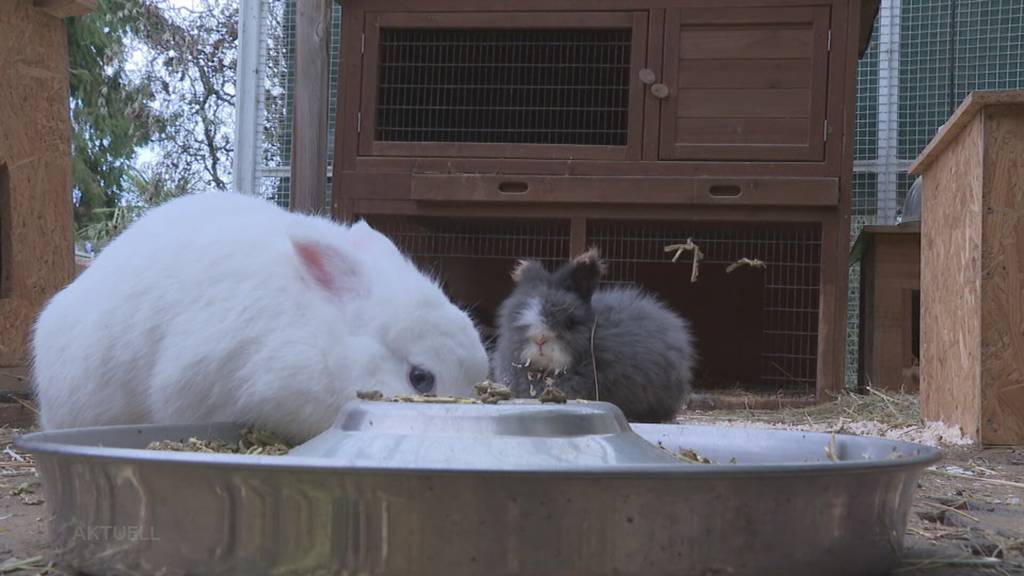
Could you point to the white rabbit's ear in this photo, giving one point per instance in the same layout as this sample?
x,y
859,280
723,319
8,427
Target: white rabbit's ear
x,y
364,238
329,267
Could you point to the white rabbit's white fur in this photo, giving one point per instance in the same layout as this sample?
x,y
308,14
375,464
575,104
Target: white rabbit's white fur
x,y
221,306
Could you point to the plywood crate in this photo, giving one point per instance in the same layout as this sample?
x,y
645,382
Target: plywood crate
x,y
890,281
972,269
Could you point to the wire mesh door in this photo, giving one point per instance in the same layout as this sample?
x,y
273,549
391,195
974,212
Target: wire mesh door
x,y
526,85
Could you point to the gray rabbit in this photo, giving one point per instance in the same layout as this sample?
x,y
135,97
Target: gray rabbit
x,y
554,323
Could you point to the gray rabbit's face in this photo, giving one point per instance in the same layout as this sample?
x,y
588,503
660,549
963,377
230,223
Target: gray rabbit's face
x,y
552,313
551,323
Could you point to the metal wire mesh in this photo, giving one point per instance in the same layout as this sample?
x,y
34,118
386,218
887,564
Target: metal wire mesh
x,y
430,237
472,258
277,79
866,125
275,96
504,86
927,64
789,298
275,189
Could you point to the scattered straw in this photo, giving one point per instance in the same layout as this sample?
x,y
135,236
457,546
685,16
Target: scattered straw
x,y
831,450
26,405
691,456
927,563
894,416
953,510
15,565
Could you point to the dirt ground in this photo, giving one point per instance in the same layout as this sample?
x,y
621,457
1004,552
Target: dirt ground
x,y
968,517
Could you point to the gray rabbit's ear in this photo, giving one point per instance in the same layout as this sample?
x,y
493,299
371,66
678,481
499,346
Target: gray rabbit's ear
x,y
585,272
526,270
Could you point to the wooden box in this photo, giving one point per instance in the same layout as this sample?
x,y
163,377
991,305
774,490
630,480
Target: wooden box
x,y
626,124
972,269
890,281
36,228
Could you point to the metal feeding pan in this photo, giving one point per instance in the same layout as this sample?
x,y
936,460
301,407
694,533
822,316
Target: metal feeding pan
x,y
459,489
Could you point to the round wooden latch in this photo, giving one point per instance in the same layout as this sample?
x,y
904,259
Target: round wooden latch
x,y
647,76
659,90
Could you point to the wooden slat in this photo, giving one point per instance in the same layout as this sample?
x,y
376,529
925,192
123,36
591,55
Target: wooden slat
x,y
624,190
575,19
784,131
693,212
726,103
761,43
746,73
312,81
395,165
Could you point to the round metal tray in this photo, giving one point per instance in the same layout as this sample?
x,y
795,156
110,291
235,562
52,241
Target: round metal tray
x,y
772,502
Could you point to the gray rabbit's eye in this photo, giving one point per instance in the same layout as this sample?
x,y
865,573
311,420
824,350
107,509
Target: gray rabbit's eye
x,y
421,380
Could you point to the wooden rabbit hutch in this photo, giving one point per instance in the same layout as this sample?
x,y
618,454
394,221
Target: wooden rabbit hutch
x,y
477,133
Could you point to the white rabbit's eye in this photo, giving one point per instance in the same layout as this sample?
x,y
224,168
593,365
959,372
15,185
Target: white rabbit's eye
x,y
421,380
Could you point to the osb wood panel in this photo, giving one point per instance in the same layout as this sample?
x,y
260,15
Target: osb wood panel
x,y
1002,273
34,145
951,283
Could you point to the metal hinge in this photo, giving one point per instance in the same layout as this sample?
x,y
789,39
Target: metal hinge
x,y
359,122
825,134
362,44
829,40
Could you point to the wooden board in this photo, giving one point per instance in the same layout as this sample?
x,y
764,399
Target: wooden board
x,y
951,283
973,233
312,81
1002,277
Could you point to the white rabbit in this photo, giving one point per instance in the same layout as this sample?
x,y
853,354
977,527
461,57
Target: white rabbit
x,y
221,306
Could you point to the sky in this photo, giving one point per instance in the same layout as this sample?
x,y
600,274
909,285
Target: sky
x,y
148,154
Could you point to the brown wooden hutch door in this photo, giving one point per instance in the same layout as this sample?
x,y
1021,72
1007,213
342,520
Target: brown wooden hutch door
x,y
542,85
745,83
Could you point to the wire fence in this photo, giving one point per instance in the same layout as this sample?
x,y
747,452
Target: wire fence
x,y
925,57
276,72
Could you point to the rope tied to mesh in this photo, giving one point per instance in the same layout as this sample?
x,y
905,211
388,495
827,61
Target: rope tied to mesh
x,y
752,262
689,246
